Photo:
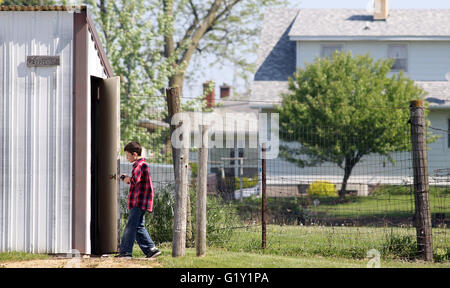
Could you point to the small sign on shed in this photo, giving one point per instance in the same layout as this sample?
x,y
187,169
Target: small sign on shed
x,y
42,61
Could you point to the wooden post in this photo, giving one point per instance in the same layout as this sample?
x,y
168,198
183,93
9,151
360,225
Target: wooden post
x,y
421,187
180,170
201,193
263,208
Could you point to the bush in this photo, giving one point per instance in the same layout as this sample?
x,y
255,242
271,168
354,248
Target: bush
x,y
322,189
246,182
402,246
441,254
221,219
160,223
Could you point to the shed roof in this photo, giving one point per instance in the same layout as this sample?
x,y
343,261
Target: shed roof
x,y
41,8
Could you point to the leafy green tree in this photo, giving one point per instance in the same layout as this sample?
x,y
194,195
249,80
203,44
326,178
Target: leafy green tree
x,y
133,40
344,108
151,43
224,29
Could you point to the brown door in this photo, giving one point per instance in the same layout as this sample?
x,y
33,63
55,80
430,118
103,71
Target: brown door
x,y
107,141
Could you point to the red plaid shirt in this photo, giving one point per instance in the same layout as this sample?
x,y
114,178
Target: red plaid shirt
x,y
141,189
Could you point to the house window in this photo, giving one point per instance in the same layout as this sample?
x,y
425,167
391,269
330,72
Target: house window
x,y
400,54
328,50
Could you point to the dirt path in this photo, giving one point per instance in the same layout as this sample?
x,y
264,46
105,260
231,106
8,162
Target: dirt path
x,y
84,263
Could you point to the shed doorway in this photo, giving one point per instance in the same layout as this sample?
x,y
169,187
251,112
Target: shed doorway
x,y
105,147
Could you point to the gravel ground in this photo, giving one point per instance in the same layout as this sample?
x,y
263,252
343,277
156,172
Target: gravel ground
x,y
84,263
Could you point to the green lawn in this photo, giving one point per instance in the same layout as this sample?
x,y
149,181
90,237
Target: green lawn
x,y
346,242
20,256
385,202
221,258
383,205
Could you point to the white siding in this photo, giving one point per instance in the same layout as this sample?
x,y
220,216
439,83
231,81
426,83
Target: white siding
x,y
35,133
427,61
439,153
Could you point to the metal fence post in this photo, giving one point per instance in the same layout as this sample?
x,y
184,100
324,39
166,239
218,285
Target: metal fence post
x,y
202,193
263,208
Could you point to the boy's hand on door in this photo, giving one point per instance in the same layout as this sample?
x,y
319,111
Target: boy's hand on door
x,y
125,179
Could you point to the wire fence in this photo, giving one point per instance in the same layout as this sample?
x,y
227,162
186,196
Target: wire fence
x,y
306,211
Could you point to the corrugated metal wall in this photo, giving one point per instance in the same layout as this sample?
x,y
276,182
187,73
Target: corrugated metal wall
x,y
35,133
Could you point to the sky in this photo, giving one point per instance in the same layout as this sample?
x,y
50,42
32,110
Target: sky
x,y
222,75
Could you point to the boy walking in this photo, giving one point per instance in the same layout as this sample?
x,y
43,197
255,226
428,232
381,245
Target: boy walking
x,y
140,200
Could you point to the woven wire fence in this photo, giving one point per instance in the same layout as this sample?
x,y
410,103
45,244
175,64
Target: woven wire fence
x,y
304,213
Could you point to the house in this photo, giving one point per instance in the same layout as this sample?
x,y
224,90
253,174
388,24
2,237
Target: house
x,y
419,41
233,135
59,111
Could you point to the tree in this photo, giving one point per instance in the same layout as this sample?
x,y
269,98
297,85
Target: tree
x,y
342,109
151,43
133,41
226,29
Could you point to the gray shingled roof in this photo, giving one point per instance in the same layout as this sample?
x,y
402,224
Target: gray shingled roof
x,y
276,57
270,92
348,22
266,93
438,92
276,53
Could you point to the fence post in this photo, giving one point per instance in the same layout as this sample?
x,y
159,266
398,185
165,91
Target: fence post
x,y
263,208
421,187
180,170
201,193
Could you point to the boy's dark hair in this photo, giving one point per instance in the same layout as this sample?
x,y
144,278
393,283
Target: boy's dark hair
x,y
133,147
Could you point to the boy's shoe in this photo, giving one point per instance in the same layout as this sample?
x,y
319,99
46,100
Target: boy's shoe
x,y
153,254
126,256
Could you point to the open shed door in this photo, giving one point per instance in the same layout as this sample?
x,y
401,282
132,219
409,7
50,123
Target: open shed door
x,y
106,151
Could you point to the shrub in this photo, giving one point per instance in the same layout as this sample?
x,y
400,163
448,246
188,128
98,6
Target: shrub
x,y
441,254
160,223
322,189
221,219
400,246
246,182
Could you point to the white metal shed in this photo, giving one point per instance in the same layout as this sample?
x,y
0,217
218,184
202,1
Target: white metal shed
x,y
58,102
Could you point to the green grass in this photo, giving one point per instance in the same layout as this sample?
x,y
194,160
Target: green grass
x,y
314,246
20,256
386,202
396,202
346,242
221,258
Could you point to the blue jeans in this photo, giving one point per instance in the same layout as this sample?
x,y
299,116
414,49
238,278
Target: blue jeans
x,y
135,230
